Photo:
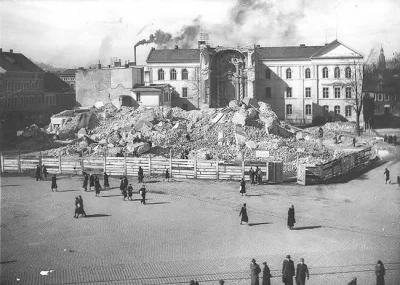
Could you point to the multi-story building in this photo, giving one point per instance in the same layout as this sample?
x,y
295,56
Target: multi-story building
x,y
384,86
68,76
24,99
299,82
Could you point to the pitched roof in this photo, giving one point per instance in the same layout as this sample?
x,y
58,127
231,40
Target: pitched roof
x,y
289,52
69,72
53,83
173,55
332,46
10,61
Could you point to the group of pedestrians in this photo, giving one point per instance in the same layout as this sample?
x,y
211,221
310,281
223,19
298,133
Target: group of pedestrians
x,y
94,181
390,138
41,172
127,189
79,207
256,176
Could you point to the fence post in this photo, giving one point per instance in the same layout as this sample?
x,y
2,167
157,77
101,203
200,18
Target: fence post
x,y
170,162
149,164
2,162
125,166
19,162
242,164
217,169
105,163
195,167
40,159
59,164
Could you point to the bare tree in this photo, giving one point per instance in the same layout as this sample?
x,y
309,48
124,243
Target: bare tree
x,y
195,85
354,73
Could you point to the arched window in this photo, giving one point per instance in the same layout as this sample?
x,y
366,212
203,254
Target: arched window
x,y
185,74
289,109
308,73
325,73
160,74
337,110
308,109
348,72
337,72
172,74
288,73
348,111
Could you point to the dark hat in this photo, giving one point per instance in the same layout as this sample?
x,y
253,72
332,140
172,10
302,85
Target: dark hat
x,y
288,256
302,259
221,282
264,263
253,260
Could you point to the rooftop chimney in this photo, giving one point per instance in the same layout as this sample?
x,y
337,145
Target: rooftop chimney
x,y
99,65
176,47
117,63
11,50
134,56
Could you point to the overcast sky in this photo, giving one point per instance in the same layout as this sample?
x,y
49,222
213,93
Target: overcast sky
x,y
79,33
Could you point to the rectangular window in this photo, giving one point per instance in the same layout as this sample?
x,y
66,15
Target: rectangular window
x,y
184,92
348,92
289,109
308,109
325,92
308,92
348,111
289,92
268,73
337,92
268,92
386,97
380,97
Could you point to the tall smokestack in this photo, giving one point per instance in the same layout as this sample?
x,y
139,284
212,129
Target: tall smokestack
x,y
134,55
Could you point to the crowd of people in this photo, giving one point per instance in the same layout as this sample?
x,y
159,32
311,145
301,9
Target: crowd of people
x,y
41,172
390,139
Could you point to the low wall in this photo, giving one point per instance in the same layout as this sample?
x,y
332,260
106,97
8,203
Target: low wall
x,y
117,166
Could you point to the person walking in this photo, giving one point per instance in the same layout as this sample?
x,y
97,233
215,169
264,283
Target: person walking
x,y
254,272
37,173
54,183
167,175
85,181
130,191
140,175
97,185
243,213
44,170
256,175
251,175
243,187
122,184
266,280
105,181
126,183
77,207
260,176
354,141
142,192
380,273
124,193
81,210
91,179
302,272
288,271
387,178
291,218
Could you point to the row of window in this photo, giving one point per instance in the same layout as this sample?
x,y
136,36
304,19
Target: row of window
x,y
20,86
325,92
386,97
348,112
172,74
68,78
26,101
325,73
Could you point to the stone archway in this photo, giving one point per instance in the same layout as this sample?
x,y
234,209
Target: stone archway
x,y
228,77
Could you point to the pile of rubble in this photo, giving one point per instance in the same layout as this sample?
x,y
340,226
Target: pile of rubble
x,y
223,134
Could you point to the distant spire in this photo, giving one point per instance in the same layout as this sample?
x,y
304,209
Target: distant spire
x,y
381,60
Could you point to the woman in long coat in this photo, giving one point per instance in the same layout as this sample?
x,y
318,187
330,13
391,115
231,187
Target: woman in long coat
x,y
85,182
106,182
54,183
91,181
243,213
266,280
380,273
122,184
97,186
242,186
291,218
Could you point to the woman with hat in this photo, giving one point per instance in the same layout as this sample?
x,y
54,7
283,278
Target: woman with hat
x,y
243,213
291,219
266,280
380,273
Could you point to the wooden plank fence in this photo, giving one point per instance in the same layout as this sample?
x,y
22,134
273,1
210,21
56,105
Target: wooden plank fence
x,y
336,168
118,166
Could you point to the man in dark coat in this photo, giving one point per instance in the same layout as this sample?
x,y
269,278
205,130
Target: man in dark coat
x,y
91,179
266,275
54,183
142,192
387,178
291,218
106,182
140,174
44,170
37,172
243,213
251,174
85,181
380,273
130,191
288,271
243,186
259,176
167,175
256,175
122,184
302,272
97,186
254,272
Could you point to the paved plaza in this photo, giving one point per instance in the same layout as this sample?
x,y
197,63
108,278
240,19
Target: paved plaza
x,y
190,229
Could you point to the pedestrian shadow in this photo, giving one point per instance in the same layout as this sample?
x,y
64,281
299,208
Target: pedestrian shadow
x,y
158,203
8,261
152,181
257,224
11,185
97,216
254,195
115,195
306,228
67,190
